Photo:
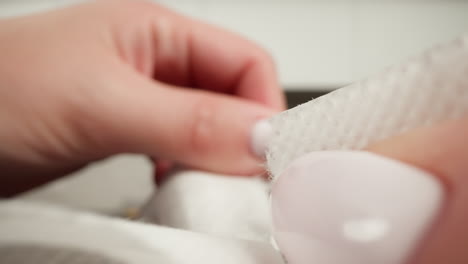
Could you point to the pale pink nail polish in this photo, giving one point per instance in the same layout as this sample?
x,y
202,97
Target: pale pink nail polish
x,y
261,135
352,207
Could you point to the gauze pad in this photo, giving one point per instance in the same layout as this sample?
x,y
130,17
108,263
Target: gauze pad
x,y
425,90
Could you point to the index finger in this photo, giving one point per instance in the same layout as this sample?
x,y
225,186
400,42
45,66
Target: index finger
x,y
207,57
226,62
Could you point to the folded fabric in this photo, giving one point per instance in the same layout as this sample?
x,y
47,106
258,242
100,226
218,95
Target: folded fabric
x,y
38,233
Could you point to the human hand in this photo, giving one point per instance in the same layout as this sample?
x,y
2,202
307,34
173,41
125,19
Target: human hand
x,y
86,82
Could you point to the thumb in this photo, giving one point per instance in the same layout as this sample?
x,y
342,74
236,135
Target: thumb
x,y
405,201
200,129
442,151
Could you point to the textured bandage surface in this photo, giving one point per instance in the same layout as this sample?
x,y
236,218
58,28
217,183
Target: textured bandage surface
x,y
425,90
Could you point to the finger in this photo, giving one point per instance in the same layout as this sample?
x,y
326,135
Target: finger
x,y
237,65
187,52
359,207
195,128
443,151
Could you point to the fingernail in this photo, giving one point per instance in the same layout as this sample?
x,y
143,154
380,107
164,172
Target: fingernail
x,y
352,207
261,135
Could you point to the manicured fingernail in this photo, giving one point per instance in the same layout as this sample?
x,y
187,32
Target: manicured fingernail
x,y
261,135
352,207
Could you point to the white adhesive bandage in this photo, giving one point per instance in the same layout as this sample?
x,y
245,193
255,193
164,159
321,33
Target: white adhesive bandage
x,y
425,90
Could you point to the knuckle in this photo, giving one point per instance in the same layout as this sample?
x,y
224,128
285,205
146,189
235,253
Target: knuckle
x,y
262,55
202,131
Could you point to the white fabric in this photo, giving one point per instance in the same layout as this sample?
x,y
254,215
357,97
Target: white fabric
x,y
425,90
235,207
131,242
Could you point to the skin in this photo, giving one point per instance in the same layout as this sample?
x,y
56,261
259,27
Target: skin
x,y
441,150
83,83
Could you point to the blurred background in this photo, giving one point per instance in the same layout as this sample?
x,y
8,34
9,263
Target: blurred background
x,y
318,46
